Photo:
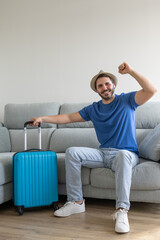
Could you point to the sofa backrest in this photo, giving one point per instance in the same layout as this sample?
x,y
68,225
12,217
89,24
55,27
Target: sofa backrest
x,y
58,138
147,117
80,134
5,144
74,107
16,115
64,138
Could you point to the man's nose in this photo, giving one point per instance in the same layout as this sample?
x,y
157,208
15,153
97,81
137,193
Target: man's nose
x,y
104,87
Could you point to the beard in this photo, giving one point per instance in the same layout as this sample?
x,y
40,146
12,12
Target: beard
x,y
107,97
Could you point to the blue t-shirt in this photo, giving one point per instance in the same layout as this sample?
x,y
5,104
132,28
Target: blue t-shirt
x,y
114,123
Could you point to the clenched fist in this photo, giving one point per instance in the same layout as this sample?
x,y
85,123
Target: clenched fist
x,y
124,68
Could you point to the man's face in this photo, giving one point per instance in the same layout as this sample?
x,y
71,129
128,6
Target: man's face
x,y
105,88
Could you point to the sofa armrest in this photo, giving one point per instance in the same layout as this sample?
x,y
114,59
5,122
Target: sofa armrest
x,y
1,124
5,143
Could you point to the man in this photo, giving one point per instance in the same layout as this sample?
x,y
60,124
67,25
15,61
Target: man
x,y
114,120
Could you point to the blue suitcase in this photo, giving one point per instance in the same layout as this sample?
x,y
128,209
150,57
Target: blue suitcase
x,y
35,178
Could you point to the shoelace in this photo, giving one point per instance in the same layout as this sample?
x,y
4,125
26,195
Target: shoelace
x,y
121,216
67,203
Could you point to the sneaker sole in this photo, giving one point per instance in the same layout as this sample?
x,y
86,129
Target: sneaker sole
x,y
121,231
63,216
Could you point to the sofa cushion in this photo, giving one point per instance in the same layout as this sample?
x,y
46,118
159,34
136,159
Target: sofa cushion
x,y
68,137
145,176
62,175
141,134
148,115
5,144
6,167
150,146
74,107
16,115
17,139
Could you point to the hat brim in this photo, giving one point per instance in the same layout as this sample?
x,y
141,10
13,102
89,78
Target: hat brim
x,y
92,84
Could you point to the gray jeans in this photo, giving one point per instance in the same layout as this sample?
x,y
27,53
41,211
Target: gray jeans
x,y
119,161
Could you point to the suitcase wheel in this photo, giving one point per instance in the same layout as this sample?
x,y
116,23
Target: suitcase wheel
x,y
20,210
55,206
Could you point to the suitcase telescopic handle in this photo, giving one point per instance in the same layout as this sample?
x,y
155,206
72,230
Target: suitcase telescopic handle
x,y
30,122
25,135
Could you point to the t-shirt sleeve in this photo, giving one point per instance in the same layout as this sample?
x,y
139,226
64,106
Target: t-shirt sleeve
x,y
132,101
85,113
129,98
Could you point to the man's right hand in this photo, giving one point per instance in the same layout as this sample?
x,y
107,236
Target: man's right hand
x,y
36,120
58,119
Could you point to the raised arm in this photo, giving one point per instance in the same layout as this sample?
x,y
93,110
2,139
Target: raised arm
x,y
148,89
58,119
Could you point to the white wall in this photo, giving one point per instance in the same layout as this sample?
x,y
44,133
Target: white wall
x,y
50,49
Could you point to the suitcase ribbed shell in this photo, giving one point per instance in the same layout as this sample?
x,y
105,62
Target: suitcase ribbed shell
x,y
35,178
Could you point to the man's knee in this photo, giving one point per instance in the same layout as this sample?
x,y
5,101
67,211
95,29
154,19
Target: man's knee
x,y
72,152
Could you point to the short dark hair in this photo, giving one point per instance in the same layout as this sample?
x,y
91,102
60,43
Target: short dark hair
x,y
103,75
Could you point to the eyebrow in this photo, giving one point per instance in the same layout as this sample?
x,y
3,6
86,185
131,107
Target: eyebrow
x,y
100,84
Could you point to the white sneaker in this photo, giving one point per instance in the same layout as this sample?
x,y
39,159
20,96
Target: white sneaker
x,y
122,223
70,208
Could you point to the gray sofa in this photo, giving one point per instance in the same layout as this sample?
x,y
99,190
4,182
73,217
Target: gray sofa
x,y
97,183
